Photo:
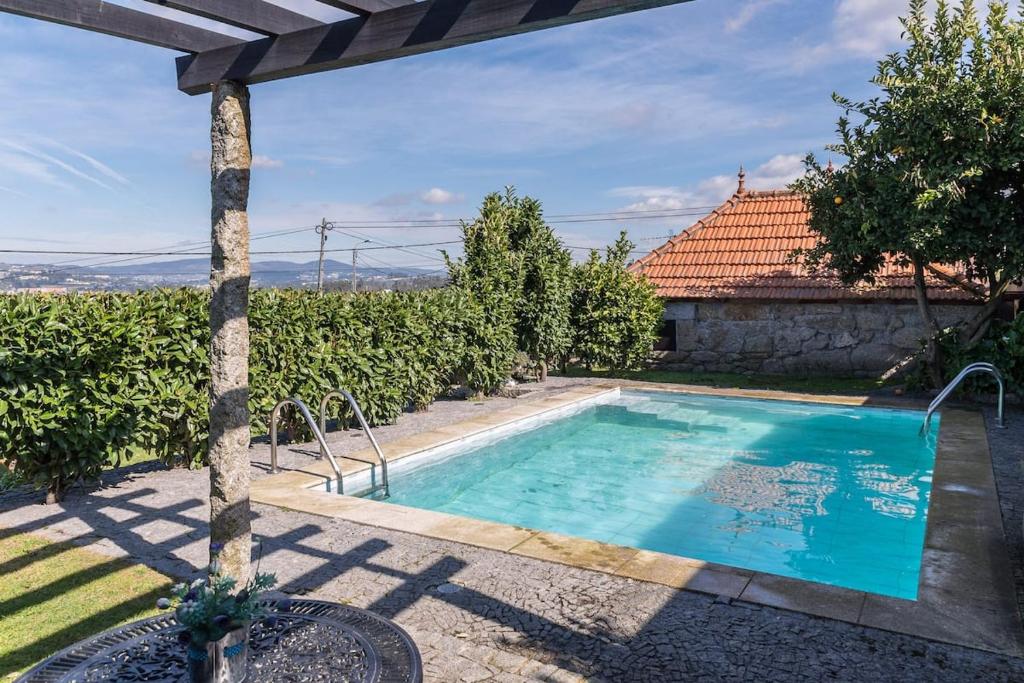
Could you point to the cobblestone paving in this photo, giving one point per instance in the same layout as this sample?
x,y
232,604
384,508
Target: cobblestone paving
x,y
1007,446
480,615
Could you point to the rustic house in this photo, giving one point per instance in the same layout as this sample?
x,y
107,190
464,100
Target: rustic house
x,y
736,301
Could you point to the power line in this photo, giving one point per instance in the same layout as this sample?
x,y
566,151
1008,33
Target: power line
x,y
631,251
364,238
551,218
195,253
72,264
379,247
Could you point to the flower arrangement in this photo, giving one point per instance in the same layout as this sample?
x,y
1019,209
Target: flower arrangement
x,y
209,608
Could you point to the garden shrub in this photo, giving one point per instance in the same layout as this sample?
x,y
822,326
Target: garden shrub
x,y
616,314
543,324
1003,346
490,276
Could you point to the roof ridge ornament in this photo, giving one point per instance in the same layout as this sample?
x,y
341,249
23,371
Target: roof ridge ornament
x,y
742,187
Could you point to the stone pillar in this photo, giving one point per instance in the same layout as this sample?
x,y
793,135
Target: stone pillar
x,y
230,162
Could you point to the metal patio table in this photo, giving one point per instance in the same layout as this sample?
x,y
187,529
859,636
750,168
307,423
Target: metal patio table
x,y
313,641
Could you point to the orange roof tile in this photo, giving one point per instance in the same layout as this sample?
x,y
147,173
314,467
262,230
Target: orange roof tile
x,y
741,251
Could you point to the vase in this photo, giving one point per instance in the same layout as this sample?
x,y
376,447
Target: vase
x,y
220,661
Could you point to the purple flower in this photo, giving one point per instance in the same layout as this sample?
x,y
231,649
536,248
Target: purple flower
x,y
184,637
284,605
216,547
270,621
191,595
222,621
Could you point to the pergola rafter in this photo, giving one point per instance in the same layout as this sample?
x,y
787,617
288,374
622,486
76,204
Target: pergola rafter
x,y
225,65
253,15
122,22
407,30
366,7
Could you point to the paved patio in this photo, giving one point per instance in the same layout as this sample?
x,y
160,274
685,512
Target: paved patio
x,y
482,615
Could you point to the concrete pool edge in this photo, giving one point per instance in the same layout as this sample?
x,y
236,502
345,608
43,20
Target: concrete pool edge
x,y
966,594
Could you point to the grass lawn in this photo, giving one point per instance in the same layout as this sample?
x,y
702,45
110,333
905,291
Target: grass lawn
x,y
54,594
810,385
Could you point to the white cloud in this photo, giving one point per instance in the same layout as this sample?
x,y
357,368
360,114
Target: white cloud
x,y
52,161
774,174
868,27
92,161
748,13
31,169
436,195
263,161
11,190
777,172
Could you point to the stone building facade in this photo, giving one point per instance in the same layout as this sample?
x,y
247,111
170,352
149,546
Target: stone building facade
x,y
816,338
738,298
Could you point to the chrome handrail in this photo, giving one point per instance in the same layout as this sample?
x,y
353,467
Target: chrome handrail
x,y
949,388
341,393
324,449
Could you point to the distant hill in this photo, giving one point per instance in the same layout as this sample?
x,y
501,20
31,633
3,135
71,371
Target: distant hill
x,y
193,272
201,266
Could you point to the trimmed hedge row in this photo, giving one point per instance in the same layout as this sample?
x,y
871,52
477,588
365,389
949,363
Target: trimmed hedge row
x,y
87,379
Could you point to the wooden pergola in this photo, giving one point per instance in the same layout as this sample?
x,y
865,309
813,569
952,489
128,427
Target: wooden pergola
x,y
293,44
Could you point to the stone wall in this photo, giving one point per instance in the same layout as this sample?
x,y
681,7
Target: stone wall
x,y
848,339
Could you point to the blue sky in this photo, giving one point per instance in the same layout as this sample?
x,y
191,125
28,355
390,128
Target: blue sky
x,y
654,110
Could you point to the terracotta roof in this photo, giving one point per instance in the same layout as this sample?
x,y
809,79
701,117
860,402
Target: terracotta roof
x,y
741,251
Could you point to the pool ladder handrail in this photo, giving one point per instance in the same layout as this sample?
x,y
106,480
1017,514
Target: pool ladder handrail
x,y
341,393
951,387
304,411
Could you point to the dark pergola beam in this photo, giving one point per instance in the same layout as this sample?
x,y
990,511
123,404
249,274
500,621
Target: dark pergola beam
x,y
366,7
253,15
411,29
114,20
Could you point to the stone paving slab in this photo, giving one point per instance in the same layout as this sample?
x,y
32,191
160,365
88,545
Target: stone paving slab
x,y
482,615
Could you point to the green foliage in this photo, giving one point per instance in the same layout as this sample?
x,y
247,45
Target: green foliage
x,y
1003,346
543,329
69,384
87,379
209,608
615,313
934,164
490,273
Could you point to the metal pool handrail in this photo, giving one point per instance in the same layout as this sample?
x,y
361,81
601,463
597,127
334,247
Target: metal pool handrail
x,y
944,394
341,393
304,411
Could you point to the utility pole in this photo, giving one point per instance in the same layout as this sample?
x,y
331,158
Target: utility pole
x,y
355,256
322,231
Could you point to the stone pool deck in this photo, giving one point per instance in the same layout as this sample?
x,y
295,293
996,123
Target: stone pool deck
x,y
480,614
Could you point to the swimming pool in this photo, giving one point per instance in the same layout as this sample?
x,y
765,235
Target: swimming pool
x,y
824,493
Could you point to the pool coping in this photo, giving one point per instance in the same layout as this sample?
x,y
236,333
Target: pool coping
x,y
966,592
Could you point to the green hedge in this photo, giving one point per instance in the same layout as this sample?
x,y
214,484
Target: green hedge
x,y
87,379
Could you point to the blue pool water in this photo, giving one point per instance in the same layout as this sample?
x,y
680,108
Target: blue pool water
x,y
823,493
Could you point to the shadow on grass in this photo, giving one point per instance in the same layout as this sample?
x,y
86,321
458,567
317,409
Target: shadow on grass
x,y
55,594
